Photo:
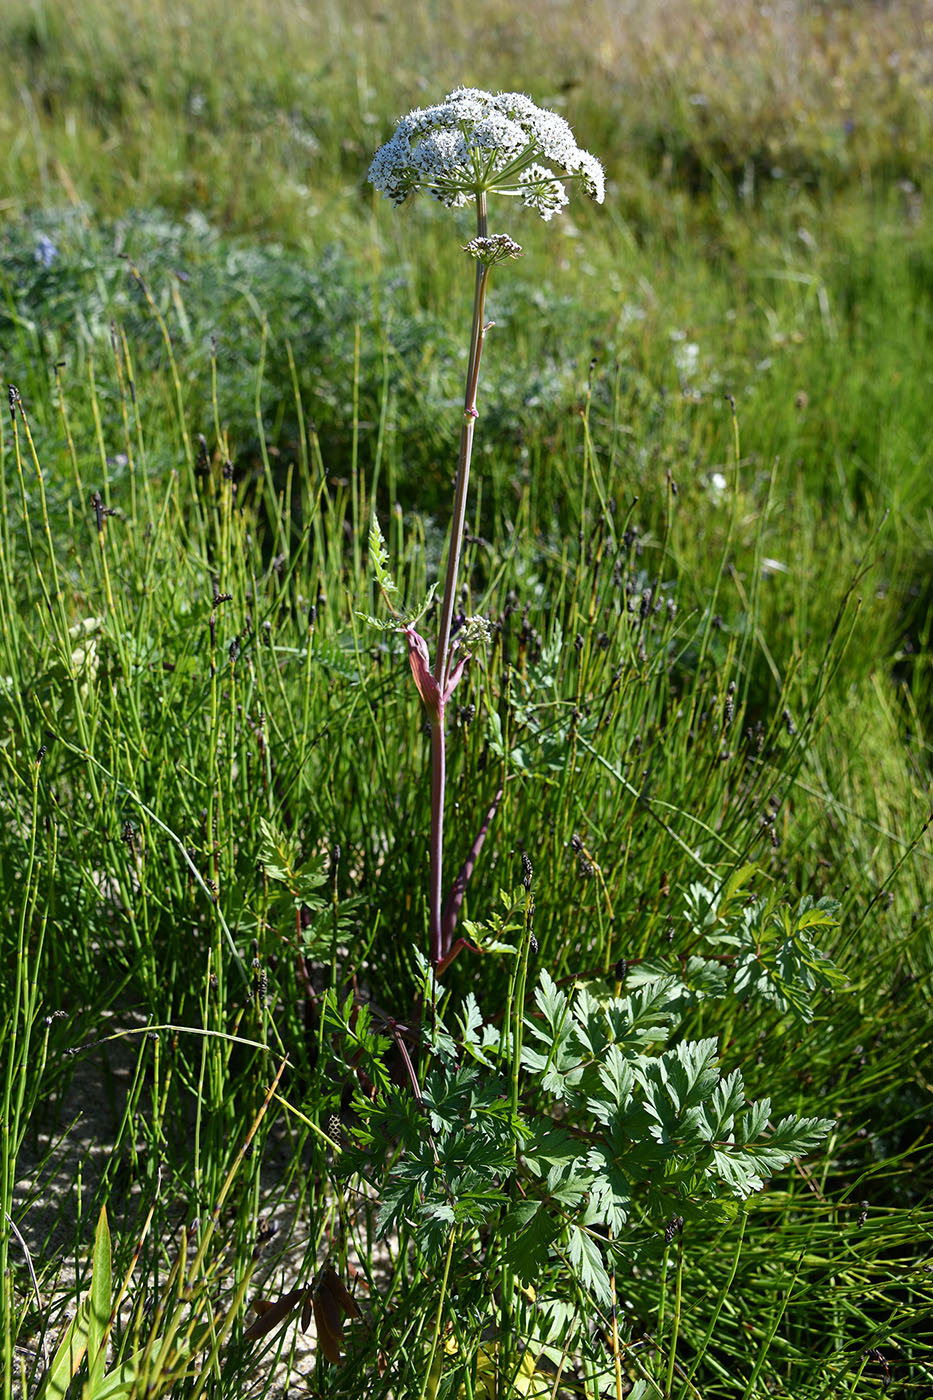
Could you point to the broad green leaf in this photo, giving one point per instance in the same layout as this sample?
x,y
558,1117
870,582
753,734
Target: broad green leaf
x,y
793,1137
737,1171
707,979
587,1263
590,1024
276,852
99,1300
471,1021
736,882
123,1378
645,1016
527,1250
644,1389
815,918
68,1357
569,1188
728,1099
474,1034
686,1074
745,1168
551,1001
754,1120
519,1217
548,1147
610,1193
616,1077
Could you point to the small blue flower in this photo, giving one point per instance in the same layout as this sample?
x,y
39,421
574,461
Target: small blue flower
x,y
46,251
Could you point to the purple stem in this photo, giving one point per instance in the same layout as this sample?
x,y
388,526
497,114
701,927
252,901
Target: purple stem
x,y
440,936
438,786
406,1058
458,889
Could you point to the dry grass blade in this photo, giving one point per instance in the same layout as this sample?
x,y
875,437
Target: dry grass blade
x,y
271,1314
328,1300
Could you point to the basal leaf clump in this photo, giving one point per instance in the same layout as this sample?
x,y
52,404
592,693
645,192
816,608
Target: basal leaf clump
x,y
621,1124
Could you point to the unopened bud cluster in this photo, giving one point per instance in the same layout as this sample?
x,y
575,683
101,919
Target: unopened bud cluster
x,y
494,249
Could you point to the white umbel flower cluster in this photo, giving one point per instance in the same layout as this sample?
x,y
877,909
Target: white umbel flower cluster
x,y
476,143
494,249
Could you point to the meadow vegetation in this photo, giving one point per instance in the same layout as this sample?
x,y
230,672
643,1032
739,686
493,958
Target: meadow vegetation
x,y
701,526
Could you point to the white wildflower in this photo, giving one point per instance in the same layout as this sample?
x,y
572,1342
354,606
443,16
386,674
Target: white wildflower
x,y
494,249
717,486
475,143
687,359
475,632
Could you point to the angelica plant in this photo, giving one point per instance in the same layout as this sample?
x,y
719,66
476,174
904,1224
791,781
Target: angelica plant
x,y
460,152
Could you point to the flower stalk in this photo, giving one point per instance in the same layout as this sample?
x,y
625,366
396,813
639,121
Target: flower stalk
x,y
467,429
442,655
469,146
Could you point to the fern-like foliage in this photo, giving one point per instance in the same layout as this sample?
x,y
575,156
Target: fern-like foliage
x,y
770,944
621,1122
399,616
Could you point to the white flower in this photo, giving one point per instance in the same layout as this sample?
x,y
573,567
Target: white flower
x,y
475,143
717,486
687,359
494,249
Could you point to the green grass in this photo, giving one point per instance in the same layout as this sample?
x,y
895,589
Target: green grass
x,y
711,645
